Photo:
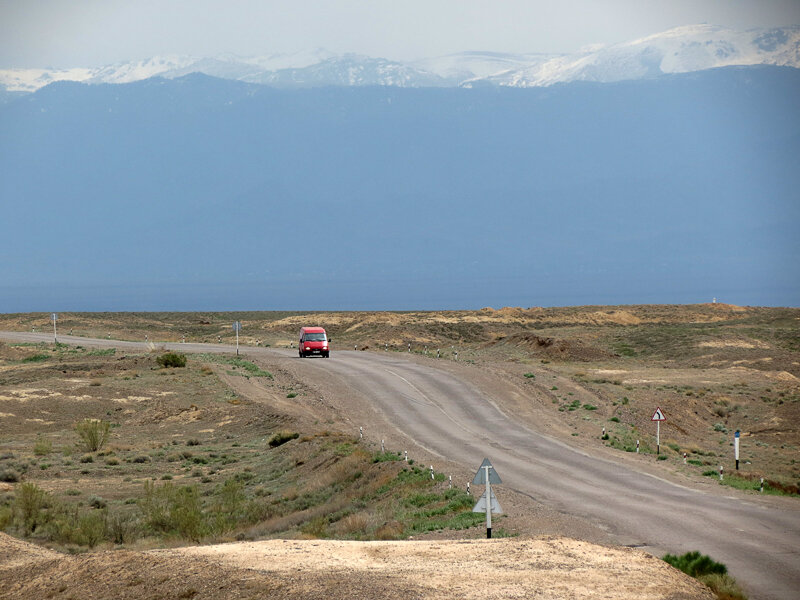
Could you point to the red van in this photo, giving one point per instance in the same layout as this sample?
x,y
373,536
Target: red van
x,y
313,340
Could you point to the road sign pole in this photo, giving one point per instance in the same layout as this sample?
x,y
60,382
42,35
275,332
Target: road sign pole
x,y
658,437
237,341
54,317
488,504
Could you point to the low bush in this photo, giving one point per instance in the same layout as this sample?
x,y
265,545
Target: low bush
x,y
172,359
708,571
9,475
173,510
94,433
36,358
42,447
281,437
29,504
695,564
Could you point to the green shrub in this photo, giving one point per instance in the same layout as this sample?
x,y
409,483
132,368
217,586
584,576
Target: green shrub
x,y
92,527
281,437
173,510
291,395
97,502
29,504
529,376
36,358
724,586
695,564
94,433
614,419
9,475
172,359
42,447
122,528
386,457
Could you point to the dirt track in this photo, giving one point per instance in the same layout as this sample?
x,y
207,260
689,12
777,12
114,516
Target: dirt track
x,y
554,568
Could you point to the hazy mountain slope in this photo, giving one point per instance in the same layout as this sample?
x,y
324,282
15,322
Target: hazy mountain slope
x,y
199,191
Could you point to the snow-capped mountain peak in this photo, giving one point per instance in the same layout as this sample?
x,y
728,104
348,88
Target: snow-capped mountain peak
x,y
678,50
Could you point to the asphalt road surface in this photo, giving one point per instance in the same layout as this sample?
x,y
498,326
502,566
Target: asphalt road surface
x,y
759,542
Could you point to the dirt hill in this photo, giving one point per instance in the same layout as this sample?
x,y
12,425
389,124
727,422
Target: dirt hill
x,y
554,568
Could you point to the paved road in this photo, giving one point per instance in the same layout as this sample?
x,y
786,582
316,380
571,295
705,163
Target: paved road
x,y
759,543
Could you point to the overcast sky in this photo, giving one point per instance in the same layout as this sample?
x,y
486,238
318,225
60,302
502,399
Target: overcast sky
x,y
66,33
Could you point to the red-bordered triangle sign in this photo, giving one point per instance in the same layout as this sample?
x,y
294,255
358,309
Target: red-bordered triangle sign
x,y
658,415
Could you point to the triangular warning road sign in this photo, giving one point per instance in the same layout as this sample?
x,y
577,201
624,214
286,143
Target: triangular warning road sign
x,y
658,415
480,476
480,506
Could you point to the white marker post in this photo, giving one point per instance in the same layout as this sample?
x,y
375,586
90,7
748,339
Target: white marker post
x,y
236,327
487,475
54,316
658,416
736,448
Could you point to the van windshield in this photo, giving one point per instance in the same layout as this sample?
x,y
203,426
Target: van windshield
x,y
315,337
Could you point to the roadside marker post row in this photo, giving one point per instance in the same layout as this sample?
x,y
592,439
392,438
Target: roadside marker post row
x,y
405,458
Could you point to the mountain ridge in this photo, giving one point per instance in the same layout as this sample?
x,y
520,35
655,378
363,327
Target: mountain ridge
x,y
163,190
681,49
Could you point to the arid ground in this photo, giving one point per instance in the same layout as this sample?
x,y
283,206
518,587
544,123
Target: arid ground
x,y
230,449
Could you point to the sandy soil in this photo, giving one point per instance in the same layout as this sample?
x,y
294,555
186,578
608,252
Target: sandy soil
x,y
551,567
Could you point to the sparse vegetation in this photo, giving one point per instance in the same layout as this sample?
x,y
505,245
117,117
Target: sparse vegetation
x,y
281,437
713,574
93,433
172,359
42,447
